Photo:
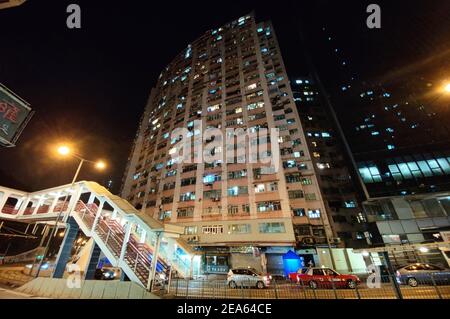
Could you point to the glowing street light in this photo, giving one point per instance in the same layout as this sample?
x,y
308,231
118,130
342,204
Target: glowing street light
x,y
447,88
100,165
64,150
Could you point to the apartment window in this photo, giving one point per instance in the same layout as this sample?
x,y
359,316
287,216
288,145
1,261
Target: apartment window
x,y
185,212
299,212
151,203
314,213
350,204
318,232
295,194
189,168
310,196
302,230
289,164
370,174
239,229
188,181
214,108
290,121
293,178
299,154
233,209
237,174
212,194
254,106
270,206
190,230
272,228
211,178
269,187
323,165
187,197
237,190
252,86
171,173
306,181
167,200
169,186
212,229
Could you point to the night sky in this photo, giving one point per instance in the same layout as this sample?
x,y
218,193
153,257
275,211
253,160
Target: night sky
x,y
90,86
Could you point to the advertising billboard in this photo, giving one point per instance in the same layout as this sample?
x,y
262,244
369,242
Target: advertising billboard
x,y
14,116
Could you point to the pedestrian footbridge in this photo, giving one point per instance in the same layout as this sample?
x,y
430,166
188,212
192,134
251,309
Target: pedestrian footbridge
x,y
127,237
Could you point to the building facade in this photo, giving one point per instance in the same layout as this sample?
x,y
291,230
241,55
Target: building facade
x,y
238,213
398,131
411,219
331,164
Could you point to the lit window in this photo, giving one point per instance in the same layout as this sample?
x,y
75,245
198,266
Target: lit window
x,y
314,213
252,86
323,165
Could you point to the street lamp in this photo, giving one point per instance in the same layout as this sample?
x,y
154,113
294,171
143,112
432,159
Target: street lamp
x,y
447,88
65,150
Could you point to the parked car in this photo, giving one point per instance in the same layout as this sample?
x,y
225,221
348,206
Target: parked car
x,y
422,273
316,277
247,277
107,273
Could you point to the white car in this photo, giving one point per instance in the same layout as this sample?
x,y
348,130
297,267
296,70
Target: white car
x,y
247,277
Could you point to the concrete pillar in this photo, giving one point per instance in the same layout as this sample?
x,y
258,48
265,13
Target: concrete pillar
x,y
39,203
191,267
19,202
93,262
55,201
123,276
126,238
142,238
98,214
151,278
66,248
91,198
3,200
23,207
75,196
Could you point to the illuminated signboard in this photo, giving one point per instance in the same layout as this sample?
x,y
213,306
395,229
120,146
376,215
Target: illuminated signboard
x,y
14,115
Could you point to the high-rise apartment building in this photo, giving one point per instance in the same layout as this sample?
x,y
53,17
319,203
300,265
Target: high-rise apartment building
x,y
396,121
331,163
232,77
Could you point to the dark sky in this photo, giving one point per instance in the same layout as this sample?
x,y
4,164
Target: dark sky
x,y
90,86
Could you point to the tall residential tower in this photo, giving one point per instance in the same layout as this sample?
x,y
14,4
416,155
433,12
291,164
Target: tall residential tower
x,y
231,77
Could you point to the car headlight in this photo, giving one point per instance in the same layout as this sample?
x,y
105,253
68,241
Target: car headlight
x,y
107,274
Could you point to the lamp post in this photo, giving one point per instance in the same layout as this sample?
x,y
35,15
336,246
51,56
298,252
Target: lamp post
x,y
65,151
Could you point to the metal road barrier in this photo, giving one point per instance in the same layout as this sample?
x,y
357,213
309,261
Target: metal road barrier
x,y
385,288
